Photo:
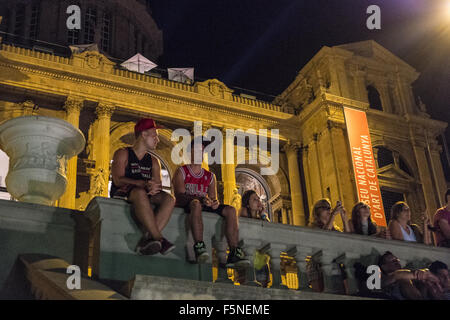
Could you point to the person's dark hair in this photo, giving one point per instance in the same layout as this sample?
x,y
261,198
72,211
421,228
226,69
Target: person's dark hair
x,y
447,194
383,257
356,219
436,266
246,198
396,209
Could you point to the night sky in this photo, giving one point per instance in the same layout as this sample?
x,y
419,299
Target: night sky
x,y
261,45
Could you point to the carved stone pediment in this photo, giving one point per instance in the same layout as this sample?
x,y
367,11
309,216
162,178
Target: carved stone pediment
x,y
93,60
393,173
213,87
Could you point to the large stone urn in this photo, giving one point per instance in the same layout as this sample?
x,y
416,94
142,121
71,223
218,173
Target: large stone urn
x,y
38,148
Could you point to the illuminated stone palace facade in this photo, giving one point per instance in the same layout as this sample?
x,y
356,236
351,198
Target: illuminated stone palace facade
x,y
104,101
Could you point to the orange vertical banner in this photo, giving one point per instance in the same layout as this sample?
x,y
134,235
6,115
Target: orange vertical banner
x,y
364,163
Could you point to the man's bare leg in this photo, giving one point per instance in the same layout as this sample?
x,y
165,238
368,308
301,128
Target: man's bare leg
x,y
144,212
195,220
231,226
166,203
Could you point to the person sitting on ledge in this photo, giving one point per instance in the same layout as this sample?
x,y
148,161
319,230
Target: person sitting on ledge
x,y
195,191
441,223
361,223
323,216
136,178
403,284
401,228
252,207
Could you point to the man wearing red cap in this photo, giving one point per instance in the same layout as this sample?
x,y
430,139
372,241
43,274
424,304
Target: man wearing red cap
x,y
196,191
137,178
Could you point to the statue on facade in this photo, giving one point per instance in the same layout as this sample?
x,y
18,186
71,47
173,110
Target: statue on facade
x,y
422,106
99,183
236,199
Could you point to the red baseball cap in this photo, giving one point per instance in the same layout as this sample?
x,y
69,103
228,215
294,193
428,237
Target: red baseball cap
x,y
145,124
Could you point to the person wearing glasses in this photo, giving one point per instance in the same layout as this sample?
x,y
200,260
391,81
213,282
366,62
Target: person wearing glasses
x,y
324,216
361,222
400,226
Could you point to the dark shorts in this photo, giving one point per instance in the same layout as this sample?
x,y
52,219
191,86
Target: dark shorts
x,y
186,206
122,192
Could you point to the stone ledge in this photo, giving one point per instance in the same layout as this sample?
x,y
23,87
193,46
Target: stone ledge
x,y
163,288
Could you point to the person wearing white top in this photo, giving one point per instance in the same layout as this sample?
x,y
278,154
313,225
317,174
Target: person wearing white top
x,y
400,226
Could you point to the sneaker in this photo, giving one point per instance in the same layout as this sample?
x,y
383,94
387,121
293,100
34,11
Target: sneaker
x,y
148,246
236,259
200,252
166,246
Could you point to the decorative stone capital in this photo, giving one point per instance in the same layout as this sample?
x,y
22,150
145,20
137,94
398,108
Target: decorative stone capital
x,y
104,110
28,107
73,105
291,147
335,125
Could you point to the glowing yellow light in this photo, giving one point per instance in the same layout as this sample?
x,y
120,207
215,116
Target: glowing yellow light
x,y
447,8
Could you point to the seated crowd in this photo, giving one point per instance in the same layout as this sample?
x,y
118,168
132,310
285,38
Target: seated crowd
x,y
137,178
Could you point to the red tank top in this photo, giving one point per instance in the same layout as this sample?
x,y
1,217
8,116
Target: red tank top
x,y
196,184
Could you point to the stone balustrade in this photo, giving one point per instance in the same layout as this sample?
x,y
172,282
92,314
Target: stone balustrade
x,y
115,259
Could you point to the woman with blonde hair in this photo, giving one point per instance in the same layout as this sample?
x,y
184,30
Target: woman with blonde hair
x,y
324,216
401,228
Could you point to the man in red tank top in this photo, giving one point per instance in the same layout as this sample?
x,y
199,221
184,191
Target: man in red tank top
x,y
131,180
195,191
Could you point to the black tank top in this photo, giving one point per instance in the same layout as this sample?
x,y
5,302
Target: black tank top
x,y
136,169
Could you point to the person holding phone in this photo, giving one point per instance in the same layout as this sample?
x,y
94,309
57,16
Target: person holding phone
x,y
136,178
324,216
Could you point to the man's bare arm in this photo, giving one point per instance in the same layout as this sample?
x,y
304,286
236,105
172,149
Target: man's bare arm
x,y
178,183
212,190
445,228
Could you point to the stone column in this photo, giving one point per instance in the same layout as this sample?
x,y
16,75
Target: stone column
x,y
360,85
221,246
228,169
300,254
274,250
326,258
73,108
384,96
250,247
294,182
99,182
284,214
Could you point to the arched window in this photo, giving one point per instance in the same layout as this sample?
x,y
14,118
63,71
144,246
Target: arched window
x,y
384,156
374,98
